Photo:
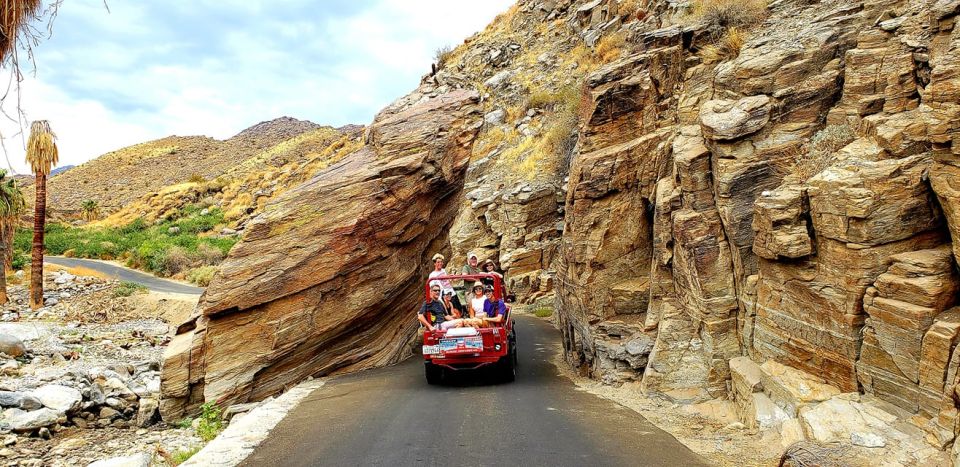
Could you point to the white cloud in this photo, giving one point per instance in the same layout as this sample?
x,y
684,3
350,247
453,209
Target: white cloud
x,y
153,68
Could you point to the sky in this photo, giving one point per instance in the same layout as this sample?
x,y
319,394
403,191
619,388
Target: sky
x,y
146,69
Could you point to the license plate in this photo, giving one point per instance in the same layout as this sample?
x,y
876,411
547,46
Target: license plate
x,y
431,349
462,344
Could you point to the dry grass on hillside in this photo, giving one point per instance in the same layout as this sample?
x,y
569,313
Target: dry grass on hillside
x,y
244,190
609,48
719,15
118,178
819,153
728,47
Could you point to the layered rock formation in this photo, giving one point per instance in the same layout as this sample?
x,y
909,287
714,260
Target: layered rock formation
x,y
328,278
796,203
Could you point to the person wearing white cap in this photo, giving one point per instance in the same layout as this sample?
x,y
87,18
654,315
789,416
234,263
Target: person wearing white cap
x,y
445,285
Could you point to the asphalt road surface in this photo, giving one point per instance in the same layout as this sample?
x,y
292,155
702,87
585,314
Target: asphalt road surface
x,y
392,417
125,274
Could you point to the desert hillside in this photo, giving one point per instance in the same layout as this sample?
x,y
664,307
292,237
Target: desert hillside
x,y
120,177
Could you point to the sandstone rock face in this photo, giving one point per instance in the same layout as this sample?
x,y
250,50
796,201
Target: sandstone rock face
x,y
612,181
903,305
329,278
796,205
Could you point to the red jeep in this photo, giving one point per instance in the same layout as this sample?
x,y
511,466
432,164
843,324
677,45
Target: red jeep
x,y
471,348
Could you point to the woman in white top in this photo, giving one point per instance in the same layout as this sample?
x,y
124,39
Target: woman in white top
x,y
477,301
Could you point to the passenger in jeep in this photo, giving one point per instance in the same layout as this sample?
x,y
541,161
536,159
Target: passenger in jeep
x,y
494,310
439,316
452,308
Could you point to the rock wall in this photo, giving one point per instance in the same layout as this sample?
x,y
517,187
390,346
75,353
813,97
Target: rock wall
x,y
796,203
328,278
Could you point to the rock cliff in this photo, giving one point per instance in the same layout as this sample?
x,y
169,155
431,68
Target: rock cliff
x,y
327,278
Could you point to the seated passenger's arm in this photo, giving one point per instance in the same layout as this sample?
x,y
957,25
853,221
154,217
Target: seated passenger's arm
x,y
423,318
424,321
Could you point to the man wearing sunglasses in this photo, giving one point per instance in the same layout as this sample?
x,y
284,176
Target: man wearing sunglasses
x,y
438,314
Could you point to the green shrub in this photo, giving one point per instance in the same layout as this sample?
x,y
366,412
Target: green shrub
x,y
182,456
126,289
143,246
20,261
137,225
184,423
211,421
202,276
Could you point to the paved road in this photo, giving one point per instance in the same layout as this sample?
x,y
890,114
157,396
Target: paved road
x,y
392,417
125,274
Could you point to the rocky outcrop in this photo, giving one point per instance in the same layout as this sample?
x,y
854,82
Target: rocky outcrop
x,y
328,279
607,223
794,204
899,360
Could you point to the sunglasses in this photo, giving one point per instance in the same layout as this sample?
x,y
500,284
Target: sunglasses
x,y
435,290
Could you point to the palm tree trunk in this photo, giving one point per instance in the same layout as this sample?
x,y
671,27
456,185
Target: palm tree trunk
x,y
11,226
4,233
36,267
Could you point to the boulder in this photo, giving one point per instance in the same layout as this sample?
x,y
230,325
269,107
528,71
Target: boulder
x,y
791,388
728,120
763,413
12,345
839,418
909,338
147,412
873,203
780,223
63,399
363,227
791,432
20,400
134,460
21,421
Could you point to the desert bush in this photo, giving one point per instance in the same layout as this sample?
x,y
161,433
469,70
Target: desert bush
x,y
196,178
442,54
126,289
183,455
609,47
20,261
832,138
209,254
720,15
627,8
724,49
174,260
142,246
819,154
543,312
202,276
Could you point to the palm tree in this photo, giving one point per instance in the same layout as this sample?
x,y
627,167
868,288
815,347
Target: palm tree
x,y
42,156
90,209
12,205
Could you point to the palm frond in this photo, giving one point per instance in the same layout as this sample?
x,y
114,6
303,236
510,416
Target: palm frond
x,y
42,154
